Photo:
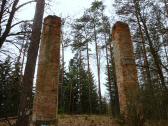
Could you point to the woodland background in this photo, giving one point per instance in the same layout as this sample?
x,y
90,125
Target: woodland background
x,y
89,38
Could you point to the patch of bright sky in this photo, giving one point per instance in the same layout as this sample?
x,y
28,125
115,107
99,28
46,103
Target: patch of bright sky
x,y
72,9
63,8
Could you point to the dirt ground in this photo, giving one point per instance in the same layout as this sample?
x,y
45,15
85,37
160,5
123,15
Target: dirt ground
x,y
78,120
93,120
85,120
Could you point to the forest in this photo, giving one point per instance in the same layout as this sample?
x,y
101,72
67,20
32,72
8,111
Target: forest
x,y
87,81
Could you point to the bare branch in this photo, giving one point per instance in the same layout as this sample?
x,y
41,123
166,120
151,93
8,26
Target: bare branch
x,y
18,33
20,6
20,22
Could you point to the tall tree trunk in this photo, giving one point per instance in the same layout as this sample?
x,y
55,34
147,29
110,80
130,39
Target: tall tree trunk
x,y
21,49
80,81
109,77
155,55
166,6
24,56
108,72
98,68
162,35
108,64
89,78
70,98
146,64
166,53
62,77
26,93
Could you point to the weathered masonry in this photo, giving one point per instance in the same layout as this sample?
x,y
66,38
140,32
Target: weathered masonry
x,y
126,72
45,104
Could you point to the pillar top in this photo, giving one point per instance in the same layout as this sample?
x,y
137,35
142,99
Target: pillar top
x,y
119,27
52,17
52,20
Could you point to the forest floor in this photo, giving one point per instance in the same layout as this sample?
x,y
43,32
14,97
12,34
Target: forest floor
x,y
89,120
76,120
85,120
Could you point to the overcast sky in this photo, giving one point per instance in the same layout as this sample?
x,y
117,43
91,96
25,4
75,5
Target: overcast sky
x,y
72,9
63,8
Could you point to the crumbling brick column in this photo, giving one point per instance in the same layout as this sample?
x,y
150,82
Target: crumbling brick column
x,y
45,105
126,72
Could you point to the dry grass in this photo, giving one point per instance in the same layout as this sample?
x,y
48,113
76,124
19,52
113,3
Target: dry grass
x,y
79,120
90,120
157,123
85,120
5,122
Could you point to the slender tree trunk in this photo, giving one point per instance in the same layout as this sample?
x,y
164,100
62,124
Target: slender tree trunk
x,y
23,57
89,72
109,78
62,77
19,58
164,44
146,64
109,75
21,49
155,57
98,68
26,94
80,81
98,73
152,49
166,53
70,99
108,66
142,67
166,6
73,103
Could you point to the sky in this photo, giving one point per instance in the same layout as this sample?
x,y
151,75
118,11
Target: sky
x,y
72,9
63,8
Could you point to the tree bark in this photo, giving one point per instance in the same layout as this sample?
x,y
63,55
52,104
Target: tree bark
x,y
98,68
109,75
80,80
152,49
89,72
9,22
62,78
26,93
146,64
166,6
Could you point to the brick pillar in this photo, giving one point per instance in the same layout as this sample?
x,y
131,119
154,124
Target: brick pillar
x,y
45,105
126,72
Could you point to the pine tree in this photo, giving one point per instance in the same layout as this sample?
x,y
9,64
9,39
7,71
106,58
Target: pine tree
x,y
76,93
10,77
92,28
111,86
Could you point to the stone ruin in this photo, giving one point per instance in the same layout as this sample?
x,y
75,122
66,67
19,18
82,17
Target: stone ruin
x,y
45,106
125,67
